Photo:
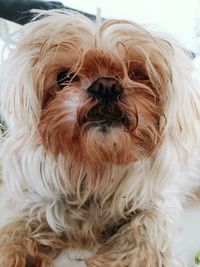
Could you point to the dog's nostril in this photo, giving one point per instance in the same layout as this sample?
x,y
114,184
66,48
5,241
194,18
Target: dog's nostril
x,y
116,89
105,87
113,88
100,88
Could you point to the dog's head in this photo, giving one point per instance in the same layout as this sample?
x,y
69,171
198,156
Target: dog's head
x,y
98,92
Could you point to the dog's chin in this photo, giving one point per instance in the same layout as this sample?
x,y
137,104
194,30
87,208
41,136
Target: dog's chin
x,y
107,142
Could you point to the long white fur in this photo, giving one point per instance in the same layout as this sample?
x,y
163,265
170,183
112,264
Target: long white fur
x,y
35,180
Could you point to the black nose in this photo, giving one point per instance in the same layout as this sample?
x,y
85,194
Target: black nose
x,y
105,88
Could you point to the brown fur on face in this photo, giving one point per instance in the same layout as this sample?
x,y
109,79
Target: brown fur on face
x,y
94,166
66,124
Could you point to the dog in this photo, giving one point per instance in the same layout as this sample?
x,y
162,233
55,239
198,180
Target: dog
x,y
101,150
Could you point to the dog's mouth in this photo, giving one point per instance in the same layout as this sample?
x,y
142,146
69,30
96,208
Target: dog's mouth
x,y
105,116
105,107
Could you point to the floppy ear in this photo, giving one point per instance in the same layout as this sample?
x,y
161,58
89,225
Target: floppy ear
x,y
19,81
183,104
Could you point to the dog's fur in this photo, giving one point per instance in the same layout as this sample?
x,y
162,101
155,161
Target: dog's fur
x,y
106,175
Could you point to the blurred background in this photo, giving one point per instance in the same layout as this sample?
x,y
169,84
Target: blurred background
x,y
180,19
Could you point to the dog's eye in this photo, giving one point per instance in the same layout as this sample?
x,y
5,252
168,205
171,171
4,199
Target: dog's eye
x,y
138,76
142,77
64,77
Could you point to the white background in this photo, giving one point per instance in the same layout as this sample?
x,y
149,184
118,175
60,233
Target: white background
x,y
175,17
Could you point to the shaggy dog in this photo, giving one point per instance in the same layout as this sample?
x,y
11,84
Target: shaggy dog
x,y
102,147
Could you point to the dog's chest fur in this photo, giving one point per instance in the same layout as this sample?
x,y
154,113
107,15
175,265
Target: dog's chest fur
x,y
92,223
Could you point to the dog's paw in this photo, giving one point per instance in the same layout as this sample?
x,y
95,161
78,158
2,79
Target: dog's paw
x,y
15,259
12,261
95,263
103,262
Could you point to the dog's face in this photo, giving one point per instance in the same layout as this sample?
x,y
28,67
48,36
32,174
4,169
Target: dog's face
x,y
102,89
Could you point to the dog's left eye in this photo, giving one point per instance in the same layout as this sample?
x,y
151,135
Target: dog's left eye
x,y
138,76
64,77
142,77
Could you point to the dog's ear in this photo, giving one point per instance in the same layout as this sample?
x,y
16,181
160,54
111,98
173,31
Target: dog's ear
x,y
18,84
183,104
173,75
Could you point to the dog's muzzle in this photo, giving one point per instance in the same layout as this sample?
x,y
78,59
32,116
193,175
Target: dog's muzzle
x,y
108,94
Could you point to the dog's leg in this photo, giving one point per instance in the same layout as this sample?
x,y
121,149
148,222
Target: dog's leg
x,y
31,244
143,242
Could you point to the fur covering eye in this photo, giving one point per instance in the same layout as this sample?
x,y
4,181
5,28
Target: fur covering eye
x,y
103,142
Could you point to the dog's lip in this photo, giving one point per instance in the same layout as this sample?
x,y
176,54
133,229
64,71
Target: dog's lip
x,y
107,115
103,112
109,121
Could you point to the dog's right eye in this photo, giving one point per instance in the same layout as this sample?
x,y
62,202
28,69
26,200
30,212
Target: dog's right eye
x,y
139,76
65,77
